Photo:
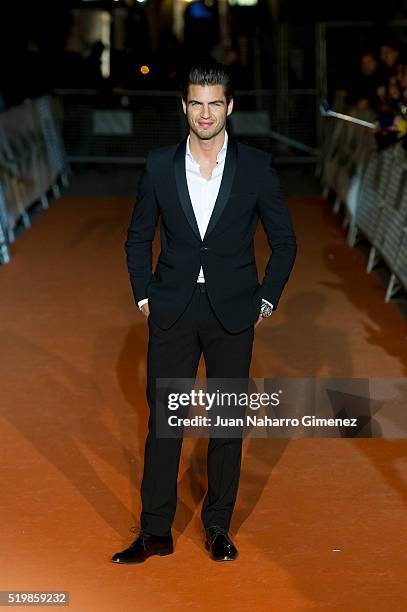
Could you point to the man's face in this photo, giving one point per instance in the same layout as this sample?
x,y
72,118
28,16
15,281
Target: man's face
x,y
206,109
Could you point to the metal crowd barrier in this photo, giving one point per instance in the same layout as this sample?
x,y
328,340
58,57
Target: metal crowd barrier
x,y
346,151
381,214
372,185
32,161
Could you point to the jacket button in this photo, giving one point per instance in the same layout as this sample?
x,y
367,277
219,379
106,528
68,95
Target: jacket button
x,y
204,248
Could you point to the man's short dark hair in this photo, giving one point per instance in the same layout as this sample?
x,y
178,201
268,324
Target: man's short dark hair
x,y
208,72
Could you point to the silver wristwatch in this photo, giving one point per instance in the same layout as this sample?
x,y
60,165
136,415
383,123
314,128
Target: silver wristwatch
x,y
265,310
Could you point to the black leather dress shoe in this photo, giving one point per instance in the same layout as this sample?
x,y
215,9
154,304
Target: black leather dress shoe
x,y
145,545
219,544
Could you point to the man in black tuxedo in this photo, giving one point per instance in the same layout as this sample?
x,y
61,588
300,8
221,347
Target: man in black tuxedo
x,y
204,295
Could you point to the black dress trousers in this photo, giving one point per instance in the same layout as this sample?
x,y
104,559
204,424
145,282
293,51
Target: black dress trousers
x,y
175,353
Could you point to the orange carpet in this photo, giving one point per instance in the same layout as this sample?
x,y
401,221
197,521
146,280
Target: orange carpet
x,y
320,524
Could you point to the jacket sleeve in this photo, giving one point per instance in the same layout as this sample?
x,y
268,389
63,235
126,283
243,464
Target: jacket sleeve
x,y
140,235
276,220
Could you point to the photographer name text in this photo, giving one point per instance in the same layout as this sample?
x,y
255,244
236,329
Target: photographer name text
x,y
256,421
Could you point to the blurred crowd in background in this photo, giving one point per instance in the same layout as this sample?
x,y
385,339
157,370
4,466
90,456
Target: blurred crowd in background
x,y
380,84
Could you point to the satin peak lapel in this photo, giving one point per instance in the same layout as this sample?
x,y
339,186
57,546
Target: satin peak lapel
x,y
182,187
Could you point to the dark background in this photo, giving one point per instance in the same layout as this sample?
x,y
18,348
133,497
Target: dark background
x,y
38,52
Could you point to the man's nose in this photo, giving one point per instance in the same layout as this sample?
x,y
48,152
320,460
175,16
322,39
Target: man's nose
x,y
205,113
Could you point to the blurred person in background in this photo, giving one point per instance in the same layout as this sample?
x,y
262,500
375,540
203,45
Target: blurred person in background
x,y
92,67
201,29
362,89
390,57
391,124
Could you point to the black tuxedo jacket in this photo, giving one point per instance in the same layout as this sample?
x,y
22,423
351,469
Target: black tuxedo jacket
x,y
249,190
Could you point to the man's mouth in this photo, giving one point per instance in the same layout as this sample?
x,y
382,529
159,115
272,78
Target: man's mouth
x,y
205,124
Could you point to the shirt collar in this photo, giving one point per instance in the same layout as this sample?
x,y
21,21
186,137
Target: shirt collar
x,y
221,155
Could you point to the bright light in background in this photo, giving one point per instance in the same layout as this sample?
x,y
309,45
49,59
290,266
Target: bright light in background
x,y
178,10
144,69
105,38
89,26
242,2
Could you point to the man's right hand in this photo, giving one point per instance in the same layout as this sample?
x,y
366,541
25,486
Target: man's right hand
x,y
145,310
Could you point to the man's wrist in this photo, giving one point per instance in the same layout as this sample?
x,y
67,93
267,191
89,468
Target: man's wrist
x,y
266,308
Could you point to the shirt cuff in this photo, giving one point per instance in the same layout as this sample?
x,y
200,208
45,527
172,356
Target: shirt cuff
x,y
142,302
267,302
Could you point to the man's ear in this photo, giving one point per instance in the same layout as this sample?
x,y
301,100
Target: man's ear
x,y
230,107
184,106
